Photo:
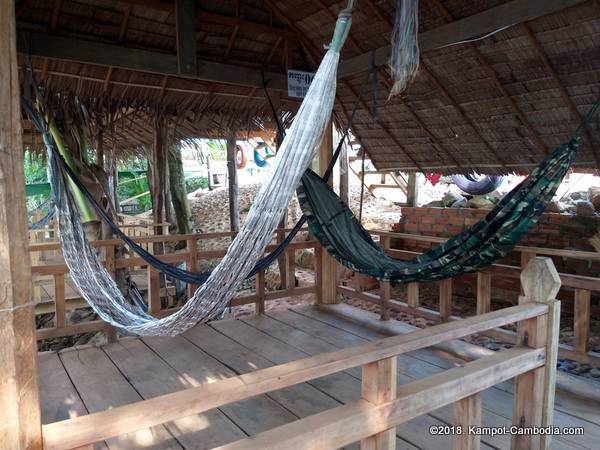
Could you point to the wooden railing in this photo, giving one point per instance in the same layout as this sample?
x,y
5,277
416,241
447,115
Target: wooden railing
x,y
582,286
191,256
384,404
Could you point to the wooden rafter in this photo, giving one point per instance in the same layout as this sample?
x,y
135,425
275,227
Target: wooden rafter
x,y
124,23
55,14
533,40
491,73
440,87
273,50
231,42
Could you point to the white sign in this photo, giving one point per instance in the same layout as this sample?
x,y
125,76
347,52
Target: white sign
x,y
298,82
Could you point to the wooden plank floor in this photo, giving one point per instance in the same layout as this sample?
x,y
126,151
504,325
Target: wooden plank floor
x,y
88,379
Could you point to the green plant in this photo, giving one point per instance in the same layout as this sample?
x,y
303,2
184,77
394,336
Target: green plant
x,y
195,183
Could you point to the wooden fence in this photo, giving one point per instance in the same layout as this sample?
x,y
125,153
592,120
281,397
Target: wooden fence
x,y
384,404
192,254
582,286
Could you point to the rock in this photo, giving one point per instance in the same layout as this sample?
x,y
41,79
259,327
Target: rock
x,y
594,197
480,203
579,195
450,198
460,203
595,372
584,208
553,207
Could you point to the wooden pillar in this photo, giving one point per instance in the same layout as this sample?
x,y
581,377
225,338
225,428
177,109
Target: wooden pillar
x,y
581,320
344,173
412,197
260,293
466,413
385,286
234,207
534,390
379,386
484,292
20,426
412,292
327,293
445,299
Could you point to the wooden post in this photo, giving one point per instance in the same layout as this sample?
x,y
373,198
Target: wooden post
x,y
526,257
344,173
192,262
329,266
412,197
534,390
59,300
154,305
20,425
290,260
234,207
385,287
484,292
445,299
159,181
412,293
581,320
260,292
110,253
379,386
466,413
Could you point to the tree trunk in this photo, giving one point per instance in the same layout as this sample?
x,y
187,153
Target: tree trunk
x,y
159,164
178,191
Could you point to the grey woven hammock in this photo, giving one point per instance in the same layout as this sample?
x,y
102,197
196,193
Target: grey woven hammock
x,y
296,152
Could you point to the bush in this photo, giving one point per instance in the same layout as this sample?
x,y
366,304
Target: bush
x,y
195,183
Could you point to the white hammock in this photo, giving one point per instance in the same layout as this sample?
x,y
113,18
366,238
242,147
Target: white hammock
x,y
297,150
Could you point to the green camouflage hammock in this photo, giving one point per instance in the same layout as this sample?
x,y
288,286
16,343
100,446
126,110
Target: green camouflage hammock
x,y
478,246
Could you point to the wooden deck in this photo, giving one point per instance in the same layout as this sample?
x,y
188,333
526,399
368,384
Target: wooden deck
x,y
89,379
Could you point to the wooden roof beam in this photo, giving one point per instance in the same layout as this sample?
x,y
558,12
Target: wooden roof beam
x,y
185,30
55,14
218,19
103,54
505,15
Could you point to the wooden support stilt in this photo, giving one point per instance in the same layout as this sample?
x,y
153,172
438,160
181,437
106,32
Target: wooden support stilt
x,y
234,207
466,413
385,287
581,325
412,291
534,390
413,190
20,426
379,386
192,263
445,299
260,292
154,305
327,293
484,292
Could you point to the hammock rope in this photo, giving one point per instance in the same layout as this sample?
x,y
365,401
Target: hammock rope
x,y
296,152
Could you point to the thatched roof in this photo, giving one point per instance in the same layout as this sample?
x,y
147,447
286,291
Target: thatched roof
x,y
498,104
